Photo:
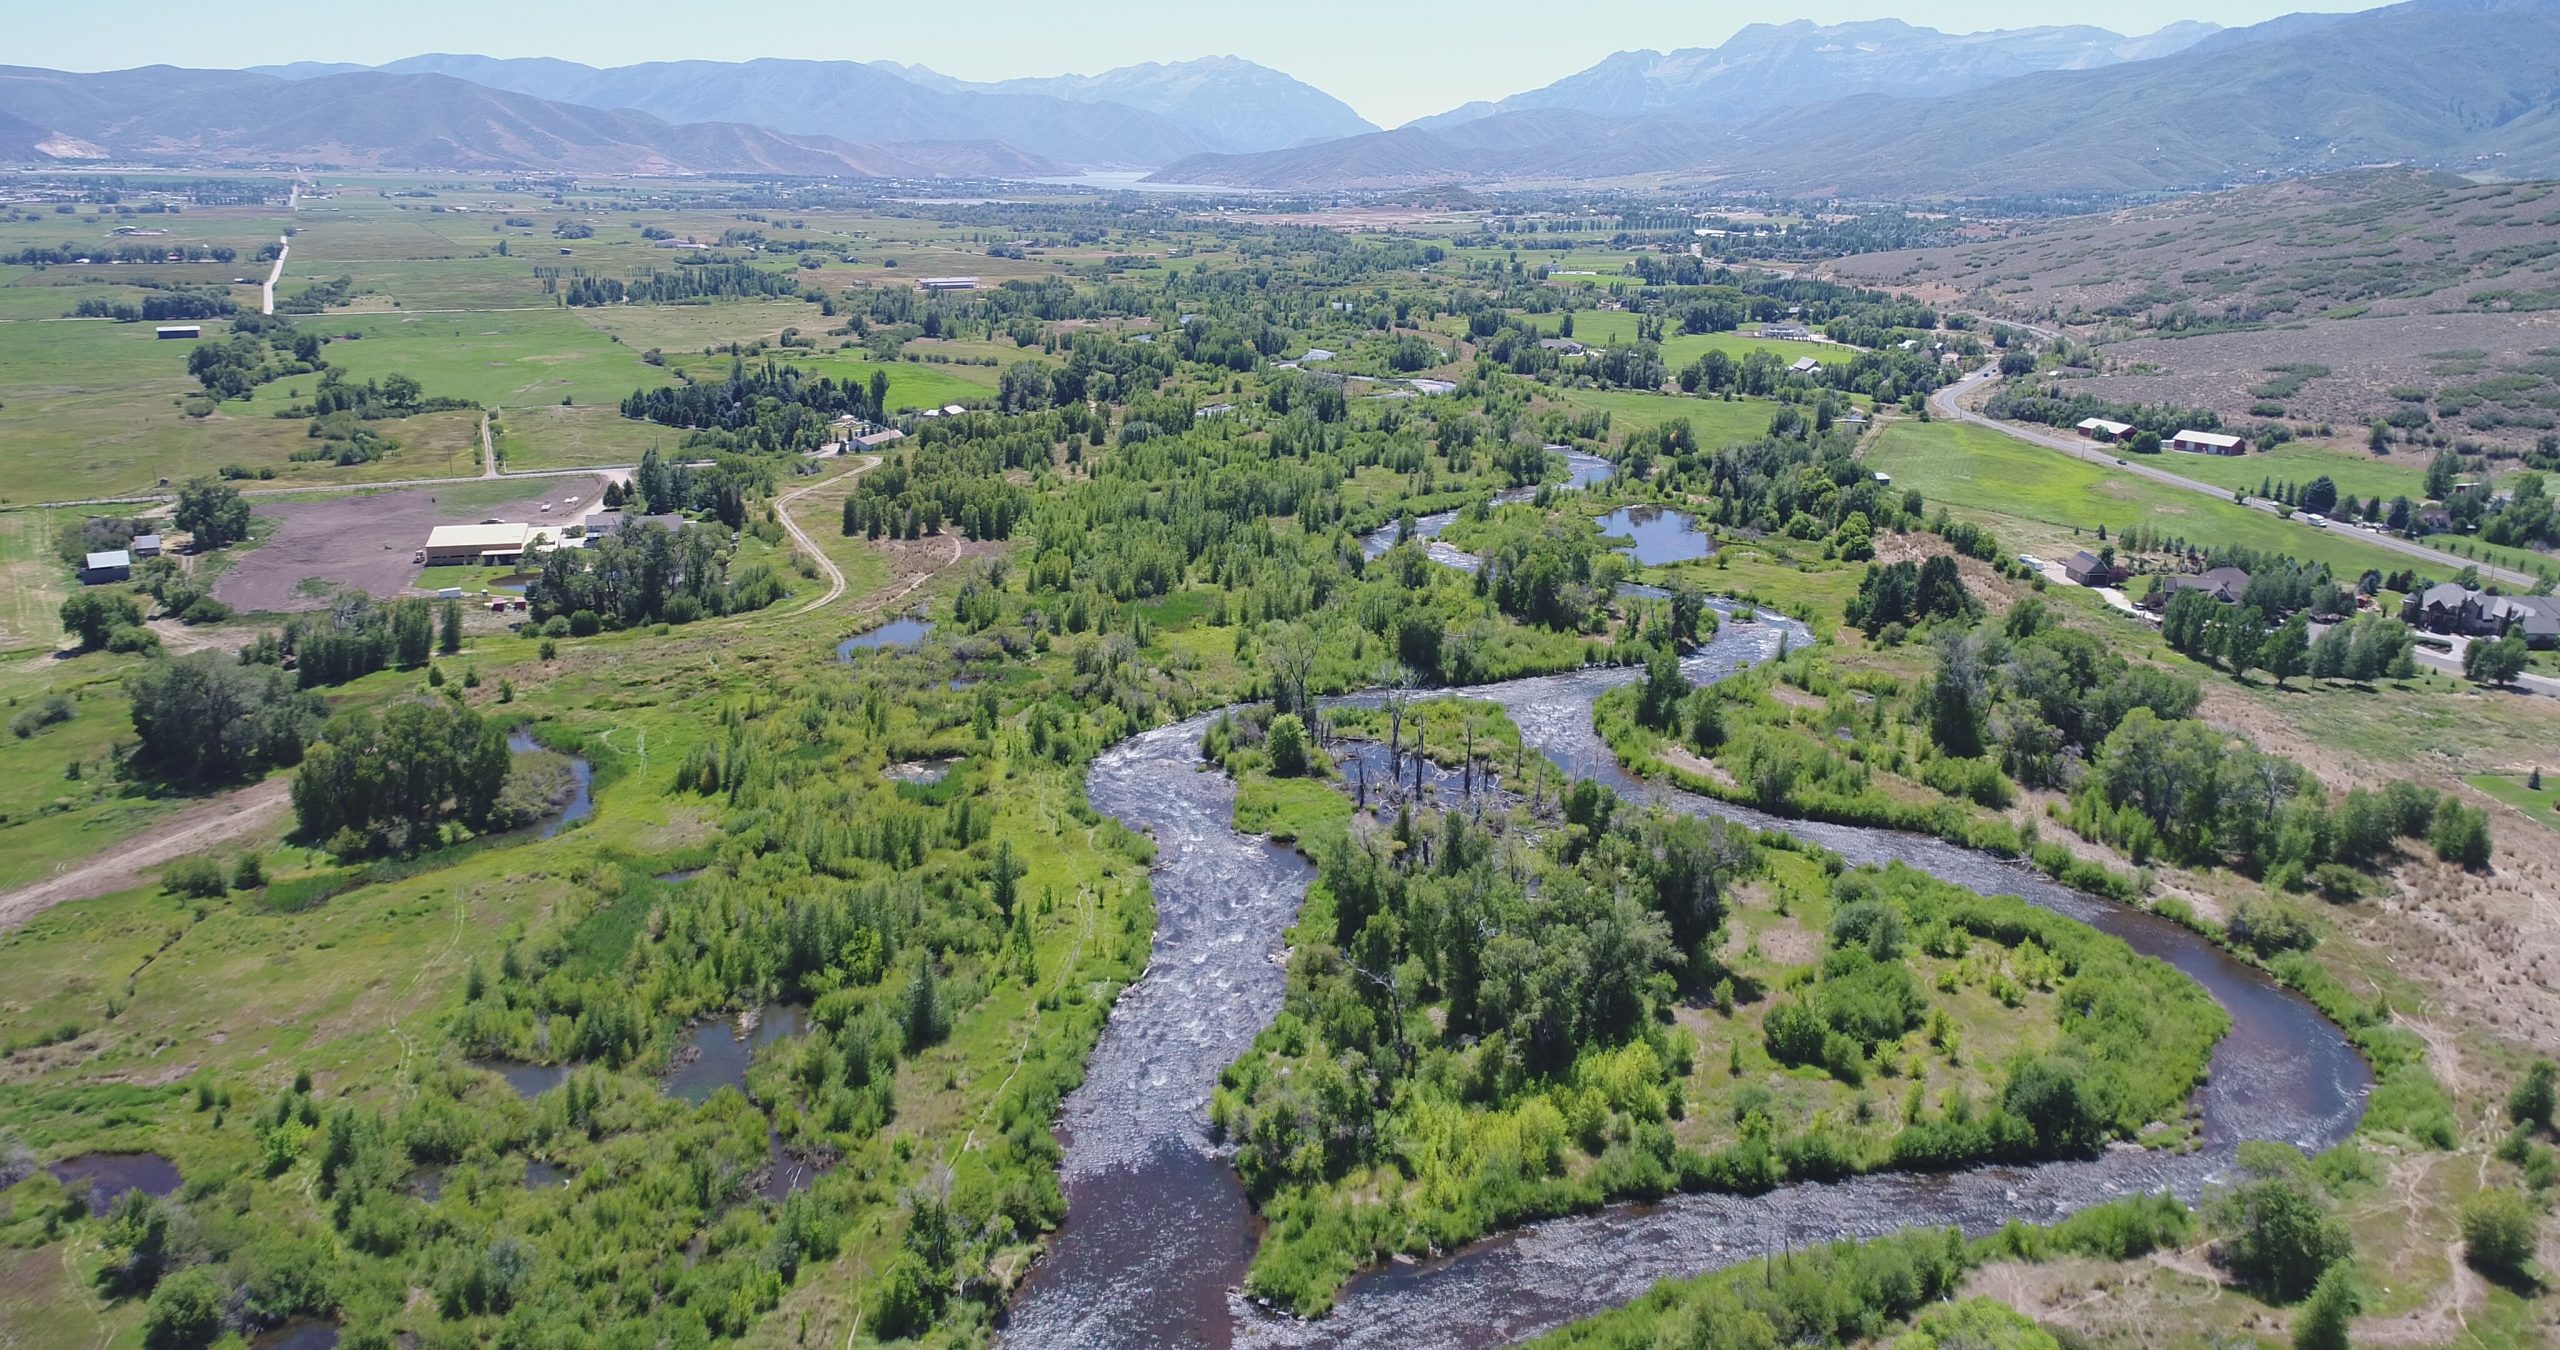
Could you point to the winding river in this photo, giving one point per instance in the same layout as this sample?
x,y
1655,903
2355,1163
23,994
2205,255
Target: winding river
x,y
1158,1232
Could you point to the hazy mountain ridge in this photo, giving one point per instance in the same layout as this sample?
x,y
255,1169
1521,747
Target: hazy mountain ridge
x,y
373,119
2448,83
1770,66
1228,103
1135,116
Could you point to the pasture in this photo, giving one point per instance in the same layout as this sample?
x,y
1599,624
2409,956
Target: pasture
x,y
2063,500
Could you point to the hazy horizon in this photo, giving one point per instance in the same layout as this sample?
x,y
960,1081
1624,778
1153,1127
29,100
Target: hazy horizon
x,y
1338,46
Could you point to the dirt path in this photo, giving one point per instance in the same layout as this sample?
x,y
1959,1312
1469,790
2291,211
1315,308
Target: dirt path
x,y
799,536
193,829
488,449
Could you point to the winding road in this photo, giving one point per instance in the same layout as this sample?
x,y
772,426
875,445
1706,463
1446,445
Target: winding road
x,y
1949,403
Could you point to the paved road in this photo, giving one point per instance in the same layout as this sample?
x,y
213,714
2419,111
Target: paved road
x,y
2451,664
1948,403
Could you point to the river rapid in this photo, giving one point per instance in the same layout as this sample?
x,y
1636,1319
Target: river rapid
x,y
1158,1232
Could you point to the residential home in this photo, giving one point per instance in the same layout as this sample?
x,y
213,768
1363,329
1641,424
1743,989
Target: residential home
x,y
2224,584
1807,366
145,546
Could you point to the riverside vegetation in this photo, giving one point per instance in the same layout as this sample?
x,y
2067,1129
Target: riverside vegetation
x,y
1535,1002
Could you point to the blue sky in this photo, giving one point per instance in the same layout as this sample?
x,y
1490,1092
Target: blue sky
x,y
1393,62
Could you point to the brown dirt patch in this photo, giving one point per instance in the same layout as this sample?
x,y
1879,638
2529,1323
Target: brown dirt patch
x,y
190,830
362,543
1996,592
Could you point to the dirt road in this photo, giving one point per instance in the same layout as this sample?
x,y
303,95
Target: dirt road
x,y
835,574
199,828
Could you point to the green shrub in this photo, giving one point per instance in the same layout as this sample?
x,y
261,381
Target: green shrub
x,y
197,878
2498,1232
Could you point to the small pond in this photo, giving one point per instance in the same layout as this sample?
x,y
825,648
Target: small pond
x,y
298,1335
542,1176
109,1175
581,802
529,1080
899,634
788,1173
1660,535
714,1055
680,876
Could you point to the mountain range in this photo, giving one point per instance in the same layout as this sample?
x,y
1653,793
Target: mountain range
x,y
1770,66
370,119
1880,108
1134,117
2472,84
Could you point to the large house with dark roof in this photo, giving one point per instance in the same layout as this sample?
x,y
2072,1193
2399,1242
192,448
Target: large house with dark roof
x,y
2448,608
2223,584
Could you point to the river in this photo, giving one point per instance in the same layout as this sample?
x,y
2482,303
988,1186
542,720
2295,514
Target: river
x,y
1158,1232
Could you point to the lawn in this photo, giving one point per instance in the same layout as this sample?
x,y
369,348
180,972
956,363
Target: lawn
x,y
1979,471
2542,803
2357,473
1715,421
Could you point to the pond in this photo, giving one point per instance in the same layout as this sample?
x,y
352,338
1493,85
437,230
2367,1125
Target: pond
x,y
899,634
715,1055
298,1335
1660,535
529,1080
542,1176
580,803
788,1172
110,1175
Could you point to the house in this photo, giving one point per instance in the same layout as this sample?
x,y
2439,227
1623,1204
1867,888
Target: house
x,y
2535,618
101,568
496,544
2088,569
145,546
952,410
2208,443
2432,520
2100,429
1786,332
941,284
2448,608
1806,366
2225,585
1567,346
182,331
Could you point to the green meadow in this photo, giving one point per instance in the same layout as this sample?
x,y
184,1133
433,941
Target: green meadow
x,y
1985,473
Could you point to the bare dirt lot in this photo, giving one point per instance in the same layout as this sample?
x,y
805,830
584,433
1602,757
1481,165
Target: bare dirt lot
x,y
366,542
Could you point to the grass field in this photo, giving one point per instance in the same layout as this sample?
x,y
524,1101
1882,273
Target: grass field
x,y
2542,803
554,436
2355,472
1985,473
1715,421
